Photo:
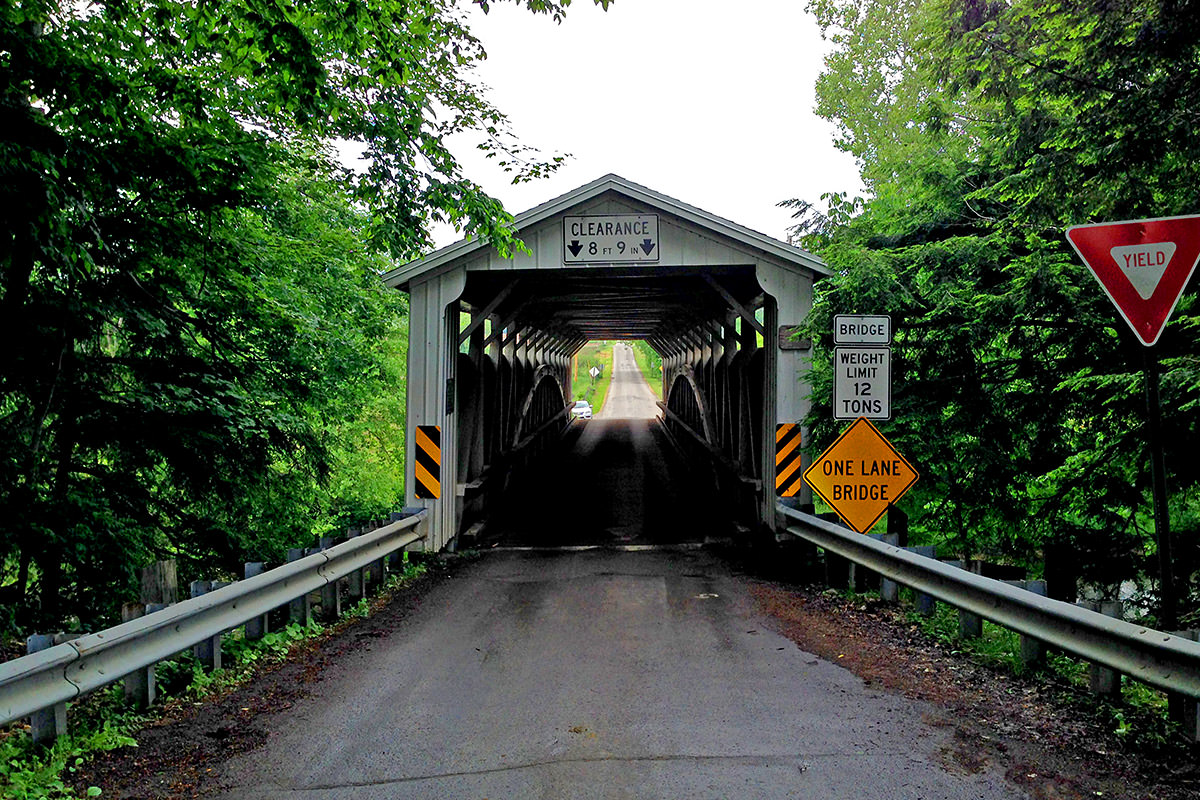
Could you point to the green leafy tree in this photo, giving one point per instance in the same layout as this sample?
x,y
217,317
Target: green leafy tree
x,y
189,294
983,131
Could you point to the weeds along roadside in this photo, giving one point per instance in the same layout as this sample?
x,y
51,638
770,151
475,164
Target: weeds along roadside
x,y
1138,717
101,721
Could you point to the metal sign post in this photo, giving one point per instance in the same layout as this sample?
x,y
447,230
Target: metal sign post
x,y
1158,482
1143,266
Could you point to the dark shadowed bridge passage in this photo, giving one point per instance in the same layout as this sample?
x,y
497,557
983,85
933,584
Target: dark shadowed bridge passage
x,y
613,480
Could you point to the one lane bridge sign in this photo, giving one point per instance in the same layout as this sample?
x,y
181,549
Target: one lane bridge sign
x,y
860,474
611,239
1143,266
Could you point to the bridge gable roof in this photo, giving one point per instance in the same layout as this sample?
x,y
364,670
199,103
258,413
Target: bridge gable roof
x,y
689,236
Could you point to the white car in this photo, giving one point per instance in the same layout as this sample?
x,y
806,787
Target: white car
x,y
581,410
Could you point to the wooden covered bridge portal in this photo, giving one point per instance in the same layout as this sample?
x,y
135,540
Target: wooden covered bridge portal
x,y
491,341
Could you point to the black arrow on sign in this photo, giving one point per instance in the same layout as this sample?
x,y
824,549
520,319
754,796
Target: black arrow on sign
x,y
574,247
647,246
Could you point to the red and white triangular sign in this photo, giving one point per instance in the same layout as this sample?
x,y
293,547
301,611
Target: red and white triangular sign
x,y
1143,266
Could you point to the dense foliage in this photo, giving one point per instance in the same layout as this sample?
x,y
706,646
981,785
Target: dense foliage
x,y
199,360
983,130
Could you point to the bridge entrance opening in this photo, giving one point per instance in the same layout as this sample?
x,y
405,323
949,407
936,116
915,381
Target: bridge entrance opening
x,y
492,366
614,479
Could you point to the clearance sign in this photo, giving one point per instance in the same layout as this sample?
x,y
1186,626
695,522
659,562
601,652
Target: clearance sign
x,y
860,475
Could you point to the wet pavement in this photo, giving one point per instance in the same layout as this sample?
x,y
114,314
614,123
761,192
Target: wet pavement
x,y
598,674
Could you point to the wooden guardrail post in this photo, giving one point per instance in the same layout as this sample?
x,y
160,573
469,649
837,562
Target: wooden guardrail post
x,y
1102,680
868,580
395,561
861,579
331,597
889,590
141,689
299,609
837,568
160,583
49,723
1180,707
926,605
970,626
139,685
357,589
256,628
377,568
897,523
208,651
1032,651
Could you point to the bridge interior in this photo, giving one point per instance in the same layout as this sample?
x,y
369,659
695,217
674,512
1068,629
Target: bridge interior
x,y
614,481
645,481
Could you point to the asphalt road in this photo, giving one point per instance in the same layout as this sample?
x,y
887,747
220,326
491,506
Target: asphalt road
x,y
640,669
629,397
598,674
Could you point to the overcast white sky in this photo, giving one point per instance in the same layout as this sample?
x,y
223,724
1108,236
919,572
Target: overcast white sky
x,y
710,102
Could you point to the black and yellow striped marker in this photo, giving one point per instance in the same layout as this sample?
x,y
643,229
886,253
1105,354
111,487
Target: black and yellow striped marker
x,y
788,478
428,468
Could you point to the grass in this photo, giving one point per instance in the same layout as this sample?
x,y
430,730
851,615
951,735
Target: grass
x,y
650,366
593,354
101,721
1138,715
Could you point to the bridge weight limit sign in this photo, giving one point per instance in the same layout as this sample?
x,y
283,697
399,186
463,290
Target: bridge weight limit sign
x,y
860,475
862,372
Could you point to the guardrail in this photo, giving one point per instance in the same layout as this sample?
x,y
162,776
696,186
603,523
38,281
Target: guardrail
x,y
1159,659
66,671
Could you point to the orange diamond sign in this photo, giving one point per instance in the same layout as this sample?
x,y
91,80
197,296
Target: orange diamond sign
x,y
860,474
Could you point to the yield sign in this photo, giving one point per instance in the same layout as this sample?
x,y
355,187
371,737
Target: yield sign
x,y
1143,266
860,474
